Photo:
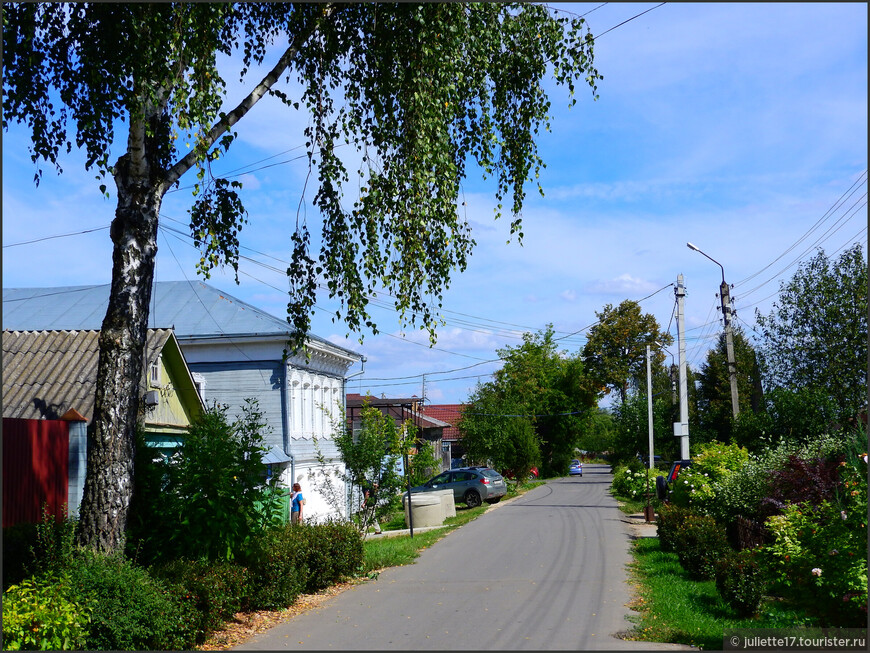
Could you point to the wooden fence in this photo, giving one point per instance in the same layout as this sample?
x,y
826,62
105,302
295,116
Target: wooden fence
x,y
35,469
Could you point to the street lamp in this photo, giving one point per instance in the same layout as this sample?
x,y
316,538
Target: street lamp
x,y
725,297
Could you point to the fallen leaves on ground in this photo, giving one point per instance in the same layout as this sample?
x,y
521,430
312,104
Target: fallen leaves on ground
x,y
245,625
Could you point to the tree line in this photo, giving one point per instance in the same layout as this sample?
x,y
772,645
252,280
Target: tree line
x,y
800,373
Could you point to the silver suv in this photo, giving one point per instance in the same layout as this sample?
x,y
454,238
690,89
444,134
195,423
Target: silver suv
x,y
470,485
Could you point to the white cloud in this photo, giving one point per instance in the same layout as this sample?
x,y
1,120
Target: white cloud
x,y
735,126
624,284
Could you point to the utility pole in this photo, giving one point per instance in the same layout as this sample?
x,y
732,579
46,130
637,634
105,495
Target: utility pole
x,y
725,296
681,428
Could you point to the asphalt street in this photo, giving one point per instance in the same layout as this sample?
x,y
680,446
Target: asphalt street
x,y
545,571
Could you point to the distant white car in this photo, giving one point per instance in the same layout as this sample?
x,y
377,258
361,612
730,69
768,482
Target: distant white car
x,y
576,468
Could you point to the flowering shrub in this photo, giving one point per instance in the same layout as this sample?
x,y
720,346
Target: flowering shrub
x,y
819,556
692,488
712,462
741,493
632,484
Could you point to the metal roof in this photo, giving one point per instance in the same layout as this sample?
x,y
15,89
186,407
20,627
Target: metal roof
x,y
47,373
192,308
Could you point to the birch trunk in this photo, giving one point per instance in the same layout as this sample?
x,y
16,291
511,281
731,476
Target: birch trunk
x,y
109,481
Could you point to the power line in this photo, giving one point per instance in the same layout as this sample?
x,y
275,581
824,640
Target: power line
x,y
840,201
586,328
39,240
628,21
834,228
848,193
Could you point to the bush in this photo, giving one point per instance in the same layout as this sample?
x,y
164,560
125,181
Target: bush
x,y
669,518
699,542
217,590
277,577
740,581
631,483
55,543
328,552
131,610
18,544
38,615
210,499
802,480
712,462
819,559
740,494
290,560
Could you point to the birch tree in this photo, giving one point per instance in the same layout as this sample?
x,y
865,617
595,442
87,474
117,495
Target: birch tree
x,y
420,91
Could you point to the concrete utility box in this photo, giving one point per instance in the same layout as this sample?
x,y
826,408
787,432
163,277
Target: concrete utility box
x,y
426,509
448,504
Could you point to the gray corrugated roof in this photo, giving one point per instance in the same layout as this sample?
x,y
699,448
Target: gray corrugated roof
x,y
47,373
193,308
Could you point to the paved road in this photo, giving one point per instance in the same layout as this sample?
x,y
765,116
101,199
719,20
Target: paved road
x,y
545,571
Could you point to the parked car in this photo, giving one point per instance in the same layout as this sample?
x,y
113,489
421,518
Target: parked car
x,y
533,474
470,485
663,483
576,468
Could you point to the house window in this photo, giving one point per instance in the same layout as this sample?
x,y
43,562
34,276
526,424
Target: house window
x,y
199,383
154,373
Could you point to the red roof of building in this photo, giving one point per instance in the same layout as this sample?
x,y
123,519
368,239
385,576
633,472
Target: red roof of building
x,y
449,413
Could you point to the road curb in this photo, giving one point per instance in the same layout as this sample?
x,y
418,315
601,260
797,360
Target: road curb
x,y
639,527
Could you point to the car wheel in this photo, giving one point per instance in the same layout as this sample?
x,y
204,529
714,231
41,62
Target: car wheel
x,y
472,499
661,488
532,477
491,501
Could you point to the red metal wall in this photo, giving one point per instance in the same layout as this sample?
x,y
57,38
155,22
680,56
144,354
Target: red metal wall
x,y
35,468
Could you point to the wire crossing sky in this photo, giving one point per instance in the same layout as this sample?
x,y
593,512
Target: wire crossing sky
x,y
741,127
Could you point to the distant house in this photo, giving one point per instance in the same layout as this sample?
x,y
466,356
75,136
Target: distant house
x,y
402,410
452,449
49,381
235,351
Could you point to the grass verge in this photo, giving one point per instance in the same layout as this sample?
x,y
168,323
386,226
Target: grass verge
x,y
403,549
673,608
397,550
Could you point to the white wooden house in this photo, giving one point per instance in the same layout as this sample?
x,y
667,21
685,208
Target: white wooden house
x,y
234,351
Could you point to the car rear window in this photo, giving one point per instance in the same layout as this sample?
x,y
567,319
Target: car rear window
x,y
490,473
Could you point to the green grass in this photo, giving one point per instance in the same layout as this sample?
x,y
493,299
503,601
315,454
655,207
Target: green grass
x,y
674,608
397,550
631,506
403,549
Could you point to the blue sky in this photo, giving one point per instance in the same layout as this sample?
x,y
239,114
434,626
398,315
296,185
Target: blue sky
x,y
740,127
